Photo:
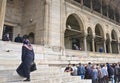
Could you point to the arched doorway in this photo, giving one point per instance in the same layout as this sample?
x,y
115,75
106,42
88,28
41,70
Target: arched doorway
x,y
73,37
89,39
114,42
99,38
8,30
107,43
31,37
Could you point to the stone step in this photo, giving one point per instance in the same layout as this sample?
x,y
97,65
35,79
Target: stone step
x,y
52,72
81,81
40,69
65,79
72,79
14,66
45,74
49,80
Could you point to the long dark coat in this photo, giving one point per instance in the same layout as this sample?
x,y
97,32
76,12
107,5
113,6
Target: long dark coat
x,y
27,58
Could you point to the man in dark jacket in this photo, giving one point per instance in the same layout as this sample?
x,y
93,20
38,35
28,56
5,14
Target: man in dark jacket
x,y
117,73
110,72
18,39
81,71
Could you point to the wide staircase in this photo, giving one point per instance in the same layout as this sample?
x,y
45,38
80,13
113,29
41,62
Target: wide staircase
x,y
10,58
43,74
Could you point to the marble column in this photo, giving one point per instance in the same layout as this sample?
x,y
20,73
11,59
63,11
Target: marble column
x,y
105,46
82,2
2,15
110,47
93,42
85,44
118,48
101,10
91,3
46,23
93,45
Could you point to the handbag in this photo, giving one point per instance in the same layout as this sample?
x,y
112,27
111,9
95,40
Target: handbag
x,y
33,67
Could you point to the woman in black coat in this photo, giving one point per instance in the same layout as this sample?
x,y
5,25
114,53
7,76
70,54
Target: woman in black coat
x,y
27,58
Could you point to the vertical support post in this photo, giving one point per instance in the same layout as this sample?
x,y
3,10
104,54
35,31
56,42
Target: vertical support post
x,y
91,3
85,43
105,46
2,15
110,47
118,48
101,10
93,45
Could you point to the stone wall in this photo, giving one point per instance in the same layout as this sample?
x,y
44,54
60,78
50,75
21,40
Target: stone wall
x,y
47,20
26,16
14,11
33,18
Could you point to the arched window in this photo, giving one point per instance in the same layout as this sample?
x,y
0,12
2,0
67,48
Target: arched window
x,y
87,3
114,43
111,12
74,33
99,38
89,39
96,5
104,8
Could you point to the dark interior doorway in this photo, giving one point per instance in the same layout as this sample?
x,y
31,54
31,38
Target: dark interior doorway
x,y
8,29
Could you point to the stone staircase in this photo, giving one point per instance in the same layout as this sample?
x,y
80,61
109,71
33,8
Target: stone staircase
x,y
10,58
43,74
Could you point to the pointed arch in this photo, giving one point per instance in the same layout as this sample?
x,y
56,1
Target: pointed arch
x,y
89,39
114,35
99,38
74,32
114,43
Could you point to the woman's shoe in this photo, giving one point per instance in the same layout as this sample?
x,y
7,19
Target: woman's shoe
x,y
27,79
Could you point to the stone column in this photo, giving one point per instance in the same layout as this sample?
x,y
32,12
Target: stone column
x,y
82,2
91,5
93,42
93,45
110,47
105,46
107,10
85,43
118,48
2,15
101,10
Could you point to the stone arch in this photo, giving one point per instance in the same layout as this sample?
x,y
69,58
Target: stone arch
x,y
77,15
99,30
99,38
89,39
74,32
114,35
114,42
